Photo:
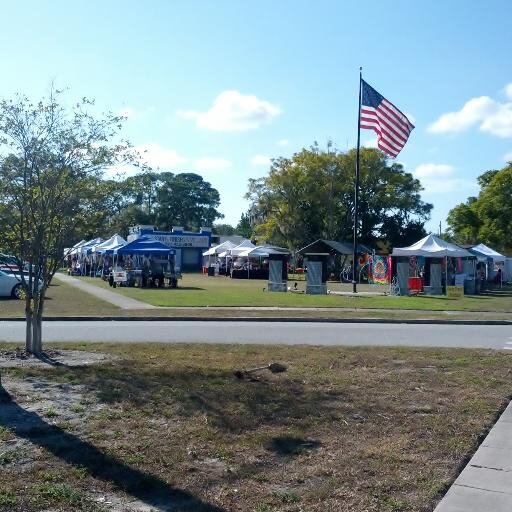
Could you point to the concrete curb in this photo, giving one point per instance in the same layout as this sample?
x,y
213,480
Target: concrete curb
x,y
412,321
470,490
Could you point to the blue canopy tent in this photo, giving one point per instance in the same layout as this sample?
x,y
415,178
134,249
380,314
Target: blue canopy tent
x,y
145,245
156,252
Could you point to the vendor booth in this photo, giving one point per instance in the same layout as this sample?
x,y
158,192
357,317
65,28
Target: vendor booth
x,y
211,257
491,264
334,258
144,262
438,263
71,256
233,263
272,265
103,254
80,260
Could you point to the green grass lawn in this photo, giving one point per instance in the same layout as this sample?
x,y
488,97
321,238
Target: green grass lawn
x,y
62,299
199,290
344,429
196,290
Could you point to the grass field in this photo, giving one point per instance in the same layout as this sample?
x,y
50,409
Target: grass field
x,y
62,299
198,290
344,429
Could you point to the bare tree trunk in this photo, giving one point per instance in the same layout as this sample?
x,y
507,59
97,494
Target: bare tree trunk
x,y
29,314
38,332
37,342
37,322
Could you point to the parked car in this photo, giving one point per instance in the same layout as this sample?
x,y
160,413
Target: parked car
x,y
10,285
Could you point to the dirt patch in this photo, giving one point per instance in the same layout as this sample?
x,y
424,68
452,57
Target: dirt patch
x,y
45,414
19,358
48,414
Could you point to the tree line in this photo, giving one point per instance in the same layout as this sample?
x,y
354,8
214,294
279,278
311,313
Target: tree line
x,y
487,217
163,199
311,195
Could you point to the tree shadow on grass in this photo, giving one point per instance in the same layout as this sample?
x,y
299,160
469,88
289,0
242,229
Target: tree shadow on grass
x,y
148,488
44,357
232,405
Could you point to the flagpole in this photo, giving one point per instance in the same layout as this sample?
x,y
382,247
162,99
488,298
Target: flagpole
x,y
356,187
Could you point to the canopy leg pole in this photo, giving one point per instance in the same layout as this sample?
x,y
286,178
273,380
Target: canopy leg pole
x,y
446,275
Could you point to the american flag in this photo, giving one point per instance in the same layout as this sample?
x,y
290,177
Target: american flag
x,y
378,114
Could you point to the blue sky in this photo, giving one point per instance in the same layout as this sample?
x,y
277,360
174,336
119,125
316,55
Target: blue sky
x,y
219,87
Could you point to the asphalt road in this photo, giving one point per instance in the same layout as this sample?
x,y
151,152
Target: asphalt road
x,y
311,333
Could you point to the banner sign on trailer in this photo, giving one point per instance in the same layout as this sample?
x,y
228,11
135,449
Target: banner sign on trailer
x,y
182,240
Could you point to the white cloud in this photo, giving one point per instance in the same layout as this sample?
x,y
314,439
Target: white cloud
x,y
489,115
508,90
433,170
438,179
473,111
500,123
260,160
157,156
208,163
283,142
370,143
508,157
234,111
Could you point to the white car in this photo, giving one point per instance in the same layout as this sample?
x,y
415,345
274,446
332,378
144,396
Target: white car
x,y
10,286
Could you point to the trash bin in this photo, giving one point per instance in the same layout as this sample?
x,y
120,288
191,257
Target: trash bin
x,y
469,287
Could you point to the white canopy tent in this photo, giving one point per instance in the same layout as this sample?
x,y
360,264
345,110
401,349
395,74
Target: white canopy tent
x,y
260,251
88,246
491,258
432,247
107,247
487,252
224,246
76,248
263,251
110,244
241,248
